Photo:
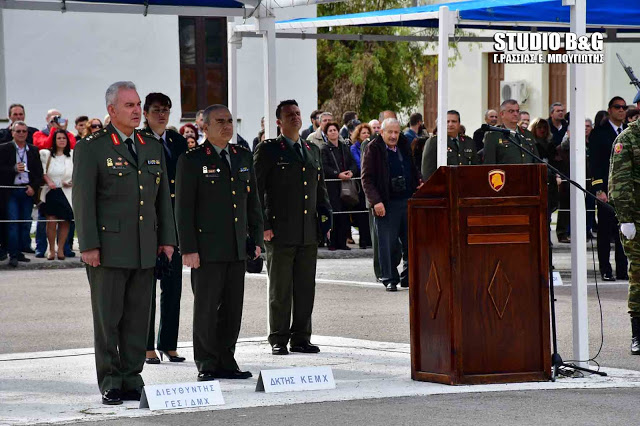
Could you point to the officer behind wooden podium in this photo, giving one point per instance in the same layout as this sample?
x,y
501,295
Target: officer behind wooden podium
x,y
500,148
124,219
461,150
216,206
293,195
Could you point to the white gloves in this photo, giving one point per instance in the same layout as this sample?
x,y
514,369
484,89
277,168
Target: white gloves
x,y
628,230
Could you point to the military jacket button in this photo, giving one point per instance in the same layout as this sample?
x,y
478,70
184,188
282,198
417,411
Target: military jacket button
x,y
141,217
141,203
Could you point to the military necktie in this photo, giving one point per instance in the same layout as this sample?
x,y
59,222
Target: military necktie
x,y
129,143
166,147
225,159
455,140
299,150
619,130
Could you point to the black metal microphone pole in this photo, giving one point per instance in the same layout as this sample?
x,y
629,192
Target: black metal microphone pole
x,y
556,359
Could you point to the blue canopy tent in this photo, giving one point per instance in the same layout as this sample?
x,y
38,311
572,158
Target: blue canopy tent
x,y
577,16
542,15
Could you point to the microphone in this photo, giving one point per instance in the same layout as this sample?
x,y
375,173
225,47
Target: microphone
x,y
489,128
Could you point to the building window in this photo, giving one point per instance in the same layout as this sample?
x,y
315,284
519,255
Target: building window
x,y
558,81
430,88
495,75
203,63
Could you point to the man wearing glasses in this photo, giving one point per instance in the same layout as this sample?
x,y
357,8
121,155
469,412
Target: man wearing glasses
x,y
502,149
600,145
20,166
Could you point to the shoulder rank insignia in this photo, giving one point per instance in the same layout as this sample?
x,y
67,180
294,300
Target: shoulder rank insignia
x,y
243,169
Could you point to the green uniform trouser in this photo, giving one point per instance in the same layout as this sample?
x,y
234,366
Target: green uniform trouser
x,y
218,294
292,281
120,301
632,250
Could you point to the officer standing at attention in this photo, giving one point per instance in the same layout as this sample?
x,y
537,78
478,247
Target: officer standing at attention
x,y
124,219
156,110
461,150
216,208
293,195
625,196
500,149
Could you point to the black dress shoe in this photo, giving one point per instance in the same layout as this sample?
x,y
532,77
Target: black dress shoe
x,y
70,254
624,277
131,395
206,376
279,349
392,287
172,358
305,348
153,360
40,255
22,258
112,397
232,374
608,277
13,262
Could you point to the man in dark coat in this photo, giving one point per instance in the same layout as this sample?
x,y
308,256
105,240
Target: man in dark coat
x,y
389,178
20,166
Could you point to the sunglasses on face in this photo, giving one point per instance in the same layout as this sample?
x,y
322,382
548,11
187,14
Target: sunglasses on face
x,y
20,131
96,126
618,106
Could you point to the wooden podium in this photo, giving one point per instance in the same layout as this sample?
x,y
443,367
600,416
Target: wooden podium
x,y
478,268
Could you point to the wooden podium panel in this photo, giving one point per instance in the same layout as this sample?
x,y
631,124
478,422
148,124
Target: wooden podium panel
x,y
478,267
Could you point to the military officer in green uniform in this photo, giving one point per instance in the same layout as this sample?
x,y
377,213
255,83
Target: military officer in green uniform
x,y
217,207
124,219
293,194
624,194
461,150
500,148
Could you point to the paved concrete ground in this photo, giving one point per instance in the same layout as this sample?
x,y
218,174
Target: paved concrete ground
x,y
45,310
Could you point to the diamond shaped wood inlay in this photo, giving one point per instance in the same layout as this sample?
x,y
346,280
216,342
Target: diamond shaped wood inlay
x,y
433,291
499,290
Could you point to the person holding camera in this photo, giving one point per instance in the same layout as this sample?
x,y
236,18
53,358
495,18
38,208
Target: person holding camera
x,y
44,138
389,178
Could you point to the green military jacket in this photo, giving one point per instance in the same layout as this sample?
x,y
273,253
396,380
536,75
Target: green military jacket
x,y
500,149
291,191
462,153
217,207
624,174
120,206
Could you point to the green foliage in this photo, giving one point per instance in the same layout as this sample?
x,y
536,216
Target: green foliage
x,y
366,76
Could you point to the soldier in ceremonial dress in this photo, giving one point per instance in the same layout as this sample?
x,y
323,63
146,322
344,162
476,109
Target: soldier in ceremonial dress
x,y
219,224
123,219
293,194
624,194
500,149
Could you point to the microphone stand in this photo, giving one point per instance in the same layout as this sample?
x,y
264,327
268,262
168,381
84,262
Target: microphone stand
x,y
556,359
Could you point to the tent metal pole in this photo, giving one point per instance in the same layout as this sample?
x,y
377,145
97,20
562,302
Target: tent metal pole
x,y
577,85
234,42
3,77
267,26
445,27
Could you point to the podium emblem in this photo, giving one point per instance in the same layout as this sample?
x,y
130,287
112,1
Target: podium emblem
x,y
497,179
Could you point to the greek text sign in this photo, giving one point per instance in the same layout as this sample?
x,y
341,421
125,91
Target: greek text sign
x,y
295,379
181,395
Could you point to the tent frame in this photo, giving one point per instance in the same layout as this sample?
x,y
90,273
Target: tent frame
x,y
447,21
